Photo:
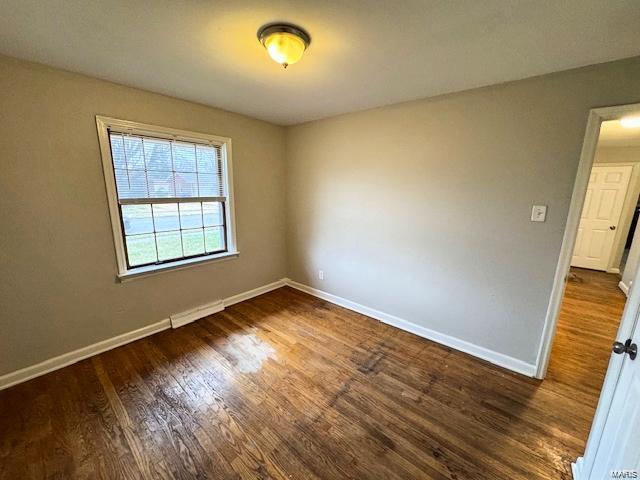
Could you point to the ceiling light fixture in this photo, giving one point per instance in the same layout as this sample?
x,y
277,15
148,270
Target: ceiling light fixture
x,y
284,42
630,122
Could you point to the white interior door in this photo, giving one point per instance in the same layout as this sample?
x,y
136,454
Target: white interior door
x,y
600,216
618,453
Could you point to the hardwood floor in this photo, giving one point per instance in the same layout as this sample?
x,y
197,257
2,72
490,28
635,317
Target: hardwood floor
x,y
288,386
589,319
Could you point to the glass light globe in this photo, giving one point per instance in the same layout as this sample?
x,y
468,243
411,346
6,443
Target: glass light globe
x,y
285,43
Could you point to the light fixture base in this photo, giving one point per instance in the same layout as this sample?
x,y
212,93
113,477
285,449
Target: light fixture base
x,y
271,28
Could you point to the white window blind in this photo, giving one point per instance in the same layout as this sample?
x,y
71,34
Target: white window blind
x,y
152,168
171,197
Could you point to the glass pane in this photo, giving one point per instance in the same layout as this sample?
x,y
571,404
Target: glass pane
x,y
190,215
184,157
206,159
169,245
209,185
193,242
117,151
137,219
133,152
214,239
186,184
157,154
131,183
212,213
165,216
160,184
141,249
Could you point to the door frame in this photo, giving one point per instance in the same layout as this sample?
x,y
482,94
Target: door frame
x,y
583,466
592,133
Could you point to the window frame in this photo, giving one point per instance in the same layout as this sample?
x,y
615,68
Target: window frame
x,y
107,124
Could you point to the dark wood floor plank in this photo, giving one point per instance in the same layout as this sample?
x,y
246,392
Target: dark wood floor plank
x,y
278,411
287,386
467,431
350,374
303,390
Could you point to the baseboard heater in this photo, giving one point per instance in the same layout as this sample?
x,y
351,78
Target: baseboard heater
x,y
180,319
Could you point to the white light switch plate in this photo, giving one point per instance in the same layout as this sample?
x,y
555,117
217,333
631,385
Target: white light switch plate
x,y
539,213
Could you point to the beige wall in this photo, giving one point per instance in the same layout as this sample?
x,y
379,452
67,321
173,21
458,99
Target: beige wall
x,y
58,289
421,209
617,155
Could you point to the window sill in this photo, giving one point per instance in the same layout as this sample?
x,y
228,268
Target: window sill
x,y
147,271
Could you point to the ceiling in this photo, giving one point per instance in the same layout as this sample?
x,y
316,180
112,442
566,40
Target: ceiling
x,y
613,134
363,54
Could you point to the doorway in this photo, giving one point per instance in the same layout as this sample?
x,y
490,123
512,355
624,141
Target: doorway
x,y
589,308
595,293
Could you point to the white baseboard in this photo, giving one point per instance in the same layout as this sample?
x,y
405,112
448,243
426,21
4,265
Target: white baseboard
x,y
576,469
623,287
613,270
55,363
496,358
241,297
68,358
180,319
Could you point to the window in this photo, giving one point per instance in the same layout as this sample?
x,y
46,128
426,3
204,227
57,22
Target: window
x,y
169,195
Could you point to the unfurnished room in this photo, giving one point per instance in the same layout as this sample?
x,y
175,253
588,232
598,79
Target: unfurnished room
x,y
355,239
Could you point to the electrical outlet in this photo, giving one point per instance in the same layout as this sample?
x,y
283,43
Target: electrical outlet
x,y
321,274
